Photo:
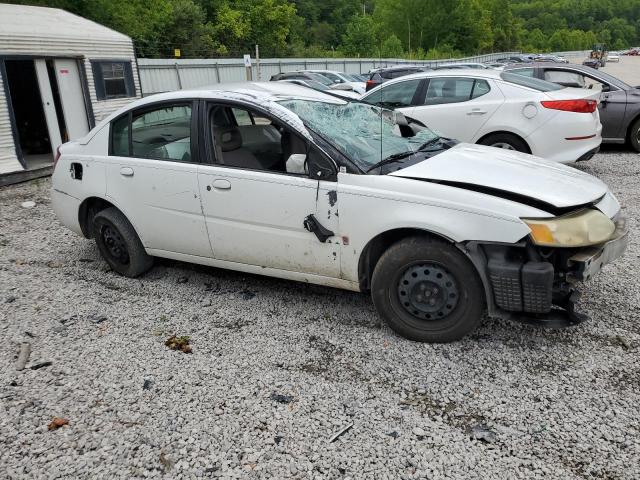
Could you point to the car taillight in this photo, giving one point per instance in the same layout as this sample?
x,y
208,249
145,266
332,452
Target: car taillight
x,y
370,84
56,157
578,106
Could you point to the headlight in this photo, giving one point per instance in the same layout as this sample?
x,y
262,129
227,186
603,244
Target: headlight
x,y
577,229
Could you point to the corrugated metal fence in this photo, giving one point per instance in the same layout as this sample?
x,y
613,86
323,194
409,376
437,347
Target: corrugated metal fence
x,y
163,75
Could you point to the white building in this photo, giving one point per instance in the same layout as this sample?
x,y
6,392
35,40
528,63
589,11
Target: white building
x,y
60,74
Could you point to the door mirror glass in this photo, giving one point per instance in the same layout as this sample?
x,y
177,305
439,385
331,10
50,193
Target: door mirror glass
x,y
297,164
320,167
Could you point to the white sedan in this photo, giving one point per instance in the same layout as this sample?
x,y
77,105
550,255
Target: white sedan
x,y
499,109
613,57
278,179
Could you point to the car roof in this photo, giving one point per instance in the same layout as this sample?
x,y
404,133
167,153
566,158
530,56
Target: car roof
x,y
397,67
263,94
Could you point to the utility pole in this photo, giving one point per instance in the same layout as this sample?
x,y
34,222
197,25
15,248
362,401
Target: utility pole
x,y
409,23
258,63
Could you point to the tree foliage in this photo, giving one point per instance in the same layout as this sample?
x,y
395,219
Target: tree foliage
x,y
379,28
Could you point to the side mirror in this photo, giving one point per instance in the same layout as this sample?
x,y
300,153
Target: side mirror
x,y
319,167
606,88
297,163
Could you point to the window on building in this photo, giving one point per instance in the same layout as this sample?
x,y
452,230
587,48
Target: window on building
x,y
113,79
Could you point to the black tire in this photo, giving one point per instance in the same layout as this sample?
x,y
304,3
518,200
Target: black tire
x,y
634,135
505,140
440,270
119,243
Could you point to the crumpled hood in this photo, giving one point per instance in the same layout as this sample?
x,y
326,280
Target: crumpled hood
x,y
509,171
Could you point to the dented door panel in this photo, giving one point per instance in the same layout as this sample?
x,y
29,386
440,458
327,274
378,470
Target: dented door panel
x,y
258,219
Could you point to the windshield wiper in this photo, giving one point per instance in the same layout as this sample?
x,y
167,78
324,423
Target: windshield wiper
x,y
390,159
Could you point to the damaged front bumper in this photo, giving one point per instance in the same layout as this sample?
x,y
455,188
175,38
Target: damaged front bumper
x,y
538,285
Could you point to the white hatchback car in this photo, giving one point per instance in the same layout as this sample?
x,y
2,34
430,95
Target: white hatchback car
x,y
277,179
499,109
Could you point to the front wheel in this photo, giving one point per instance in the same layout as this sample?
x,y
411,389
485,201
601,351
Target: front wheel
x,y
506,141
119,243
427,290
634,135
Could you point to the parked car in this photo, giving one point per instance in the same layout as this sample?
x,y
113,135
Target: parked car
x,y
592,63
277,179
499,109
381,75
450,66
550,58
516,59
301,76
332,90
613,57
344,79
619,105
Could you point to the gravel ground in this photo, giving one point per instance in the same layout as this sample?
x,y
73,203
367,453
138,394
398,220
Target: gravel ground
x,y
278,368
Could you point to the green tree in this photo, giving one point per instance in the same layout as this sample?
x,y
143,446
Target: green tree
x,y
359,39
391,48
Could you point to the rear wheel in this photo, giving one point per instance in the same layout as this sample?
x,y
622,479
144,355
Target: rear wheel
x,y
634,135
506,141
426,290
119,243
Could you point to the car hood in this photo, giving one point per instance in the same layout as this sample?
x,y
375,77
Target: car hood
x,y
507,173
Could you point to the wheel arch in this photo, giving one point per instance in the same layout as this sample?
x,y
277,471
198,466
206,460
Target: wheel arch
x,y
630,126
88,208
505,132
375,247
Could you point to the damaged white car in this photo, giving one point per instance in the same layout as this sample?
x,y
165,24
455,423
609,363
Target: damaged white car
x,y
283,181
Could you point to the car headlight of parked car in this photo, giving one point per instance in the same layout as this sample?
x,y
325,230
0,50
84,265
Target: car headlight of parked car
x,y
577,229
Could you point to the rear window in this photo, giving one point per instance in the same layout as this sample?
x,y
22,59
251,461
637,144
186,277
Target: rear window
x,y
534,83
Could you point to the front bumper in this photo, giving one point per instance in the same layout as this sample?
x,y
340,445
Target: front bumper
x,y
589,262
534,285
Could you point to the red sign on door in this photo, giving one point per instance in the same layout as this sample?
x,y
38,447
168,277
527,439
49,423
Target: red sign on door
x,y
64,71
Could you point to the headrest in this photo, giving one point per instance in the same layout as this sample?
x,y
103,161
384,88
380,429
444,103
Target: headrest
x,y
228,138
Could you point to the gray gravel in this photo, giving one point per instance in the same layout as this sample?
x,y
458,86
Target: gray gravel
x,y
279,368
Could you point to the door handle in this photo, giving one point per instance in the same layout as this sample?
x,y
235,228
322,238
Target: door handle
x,y
221,184
126,172
477,112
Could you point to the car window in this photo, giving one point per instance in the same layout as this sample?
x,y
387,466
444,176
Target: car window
x,y
566,78
533,83
448,90
120,137
526,72
162,133
396,95
480,87
260,145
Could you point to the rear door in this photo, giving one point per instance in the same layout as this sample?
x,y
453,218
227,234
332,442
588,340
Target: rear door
x,y
457,107
152,176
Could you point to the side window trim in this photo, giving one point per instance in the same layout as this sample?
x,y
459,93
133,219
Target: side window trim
x,y
193,128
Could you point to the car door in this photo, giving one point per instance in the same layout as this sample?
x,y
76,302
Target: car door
x,y
400,95
613,101
255,204
457,107
152,176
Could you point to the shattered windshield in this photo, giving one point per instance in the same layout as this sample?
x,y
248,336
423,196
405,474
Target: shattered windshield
x,y
364,133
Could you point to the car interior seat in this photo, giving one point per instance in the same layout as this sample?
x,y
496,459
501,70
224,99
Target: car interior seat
x,y
228,144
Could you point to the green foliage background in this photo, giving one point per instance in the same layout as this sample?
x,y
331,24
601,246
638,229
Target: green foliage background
x,y
371,28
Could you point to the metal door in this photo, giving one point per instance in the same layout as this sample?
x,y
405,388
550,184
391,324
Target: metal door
x,y
48,103
72,97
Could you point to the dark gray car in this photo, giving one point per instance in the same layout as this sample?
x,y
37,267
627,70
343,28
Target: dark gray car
x,y
620,103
